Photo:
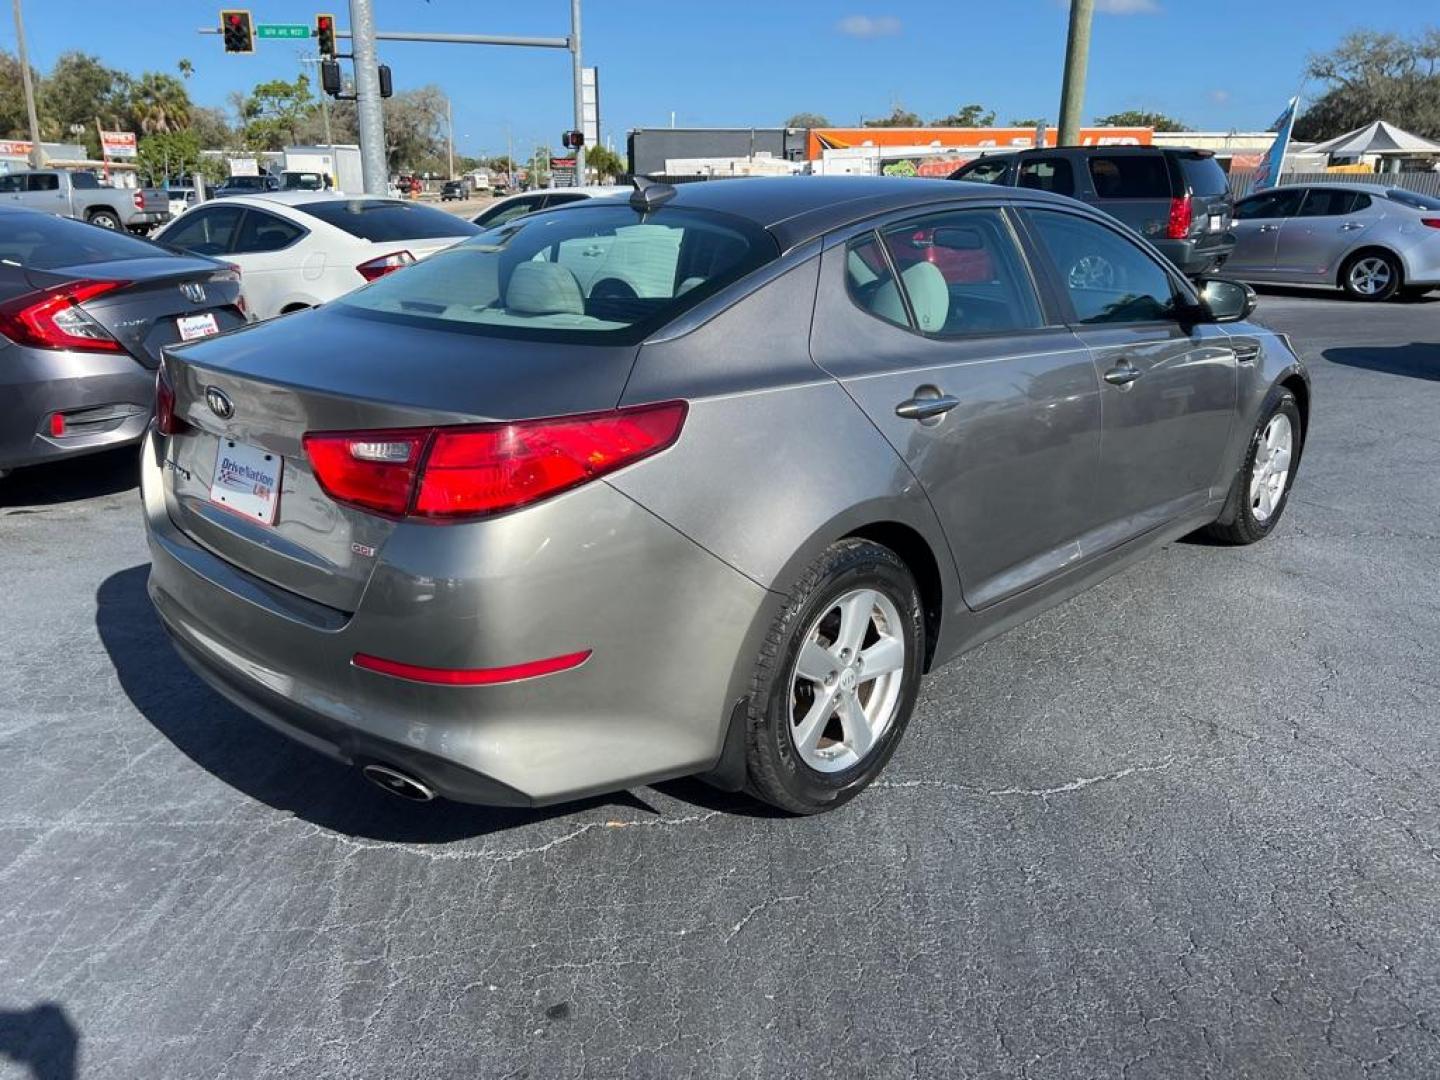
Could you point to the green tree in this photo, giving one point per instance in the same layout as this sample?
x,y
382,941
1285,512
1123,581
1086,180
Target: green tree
x,y
415,129
212,131
271,115
968,116
1374,76
78,91
899,117
166,156
158,103
1141,118
1032,122
607,164
14,123
807,120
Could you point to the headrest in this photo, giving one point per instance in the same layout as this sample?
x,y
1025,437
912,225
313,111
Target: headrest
x,y
544,288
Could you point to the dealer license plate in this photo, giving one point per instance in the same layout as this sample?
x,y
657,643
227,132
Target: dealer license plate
x,y
247,480
197,326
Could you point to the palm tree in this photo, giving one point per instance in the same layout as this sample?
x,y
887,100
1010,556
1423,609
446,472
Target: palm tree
x,y
159,103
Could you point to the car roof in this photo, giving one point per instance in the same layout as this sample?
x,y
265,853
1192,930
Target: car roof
x,y
592,190
799,208
1333,185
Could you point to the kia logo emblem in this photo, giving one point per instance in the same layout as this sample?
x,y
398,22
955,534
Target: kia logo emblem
x,y
219,404
193,291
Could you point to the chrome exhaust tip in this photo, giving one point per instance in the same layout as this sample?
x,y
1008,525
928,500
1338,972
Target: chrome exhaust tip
x,y
397,783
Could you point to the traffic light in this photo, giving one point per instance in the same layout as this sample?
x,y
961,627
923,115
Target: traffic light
x,y
238,30
573,140
387,87
325,34
330,77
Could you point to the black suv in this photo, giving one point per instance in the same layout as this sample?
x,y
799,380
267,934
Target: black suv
x,y
1178,199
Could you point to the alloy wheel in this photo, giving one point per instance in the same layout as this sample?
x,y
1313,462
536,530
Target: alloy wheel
x,y
1370,276
846,685
1272,467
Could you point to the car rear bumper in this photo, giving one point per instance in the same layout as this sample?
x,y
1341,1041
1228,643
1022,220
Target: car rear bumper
x,y
147,219
106,399
1198,255
664,620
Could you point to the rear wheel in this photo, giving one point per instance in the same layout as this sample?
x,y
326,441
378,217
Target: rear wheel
x,y
1262,486
836,680
105,219
1371,275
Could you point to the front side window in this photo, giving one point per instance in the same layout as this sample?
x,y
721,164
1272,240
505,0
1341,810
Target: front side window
x,y
1048,174
1283,202
265,232
204,232
1130,176
1108,278
595,273
11,184
963,274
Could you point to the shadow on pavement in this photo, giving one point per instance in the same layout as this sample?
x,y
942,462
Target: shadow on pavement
x,y
1417,360
72,481
42,1039
265,765
1322,292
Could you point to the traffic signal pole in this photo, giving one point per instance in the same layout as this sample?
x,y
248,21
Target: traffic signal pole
x,y
373,167
577,74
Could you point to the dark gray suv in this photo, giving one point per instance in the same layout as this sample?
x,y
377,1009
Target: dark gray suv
x,y
1178,199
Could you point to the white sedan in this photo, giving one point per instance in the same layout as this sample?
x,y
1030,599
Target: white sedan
x,y
297,249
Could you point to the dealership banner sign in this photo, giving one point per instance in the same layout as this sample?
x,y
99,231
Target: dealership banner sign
x,y
117,144
1268,173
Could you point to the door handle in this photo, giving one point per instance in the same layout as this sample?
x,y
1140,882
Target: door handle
x,y
1122,374
1269,228
926,406
1351,225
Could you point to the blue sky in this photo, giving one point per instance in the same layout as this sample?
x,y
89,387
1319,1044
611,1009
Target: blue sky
x,y
1219,64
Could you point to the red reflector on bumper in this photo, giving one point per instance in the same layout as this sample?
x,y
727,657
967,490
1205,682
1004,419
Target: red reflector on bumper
x,y
470,676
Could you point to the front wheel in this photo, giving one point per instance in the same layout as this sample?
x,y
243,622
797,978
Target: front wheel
x,y
1371,275
1262,486
836,680
105,219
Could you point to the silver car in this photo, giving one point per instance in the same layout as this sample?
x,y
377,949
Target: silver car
x,y
1373,241
702,481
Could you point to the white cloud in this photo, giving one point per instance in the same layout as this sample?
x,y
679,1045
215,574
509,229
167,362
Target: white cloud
x,y
869,26
1219,97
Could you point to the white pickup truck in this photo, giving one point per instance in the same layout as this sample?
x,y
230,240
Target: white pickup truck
x,y
81,195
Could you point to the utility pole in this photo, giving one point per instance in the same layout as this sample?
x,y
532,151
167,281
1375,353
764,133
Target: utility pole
x,y
1077,59
450,146
367,98
509,161
37,153
579,78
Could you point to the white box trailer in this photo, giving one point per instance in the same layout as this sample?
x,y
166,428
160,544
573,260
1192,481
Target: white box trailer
x,y
340,162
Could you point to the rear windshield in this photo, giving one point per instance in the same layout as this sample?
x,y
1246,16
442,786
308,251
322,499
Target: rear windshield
x,y
1204,175
387,220
84,181
43,242
257,182
1413,199
594,273
1130,176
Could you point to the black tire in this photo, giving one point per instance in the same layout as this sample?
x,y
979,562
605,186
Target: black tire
x,y
105,219
1392,286
777,774
1237,524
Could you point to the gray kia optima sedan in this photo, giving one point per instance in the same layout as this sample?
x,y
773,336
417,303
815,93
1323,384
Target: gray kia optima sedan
x,y
699,482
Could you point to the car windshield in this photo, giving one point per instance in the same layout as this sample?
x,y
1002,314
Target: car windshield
x,y
601,274
1413,199
387,220
43,242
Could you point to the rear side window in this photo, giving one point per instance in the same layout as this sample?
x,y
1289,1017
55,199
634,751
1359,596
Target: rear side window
x,y
1130,176
962,274
265,232
1048,174
207,231
599,274
386,220
42,182
43,242
1331,202
871,284
1203,175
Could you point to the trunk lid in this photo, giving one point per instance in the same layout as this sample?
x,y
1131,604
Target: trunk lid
x,y
144,316
154,199
330,370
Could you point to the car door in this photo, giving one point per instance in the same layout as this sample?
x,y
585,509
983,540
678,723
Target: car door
x,y
43,191
1328,225
1169,384
1256,226
935,326
272,269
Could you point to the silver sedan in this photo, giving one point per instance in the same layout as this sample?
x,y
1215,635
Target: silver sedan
x,y
1373,241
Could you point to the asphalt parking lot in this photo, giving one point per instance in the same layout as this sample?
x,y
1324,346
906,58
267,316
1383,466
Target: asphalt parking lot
x,y
1185,825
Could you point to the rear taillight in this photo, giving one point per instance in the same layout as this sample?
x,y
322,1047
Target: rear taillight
x,y
466,472
1182,216
1430,222
54,319
385,264
139,199
165,422
234,273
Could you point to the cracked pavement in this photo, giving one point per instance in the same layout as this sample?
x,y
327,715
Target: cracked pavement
x,y
1184,825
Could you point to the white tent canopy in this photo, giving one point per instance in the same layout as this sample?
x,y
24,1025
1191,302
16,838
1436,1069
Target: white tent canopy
x,y
1377,138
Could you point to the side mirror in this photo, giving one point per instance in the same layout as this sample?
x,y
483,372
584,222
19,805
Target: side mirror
x,y
1227,301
